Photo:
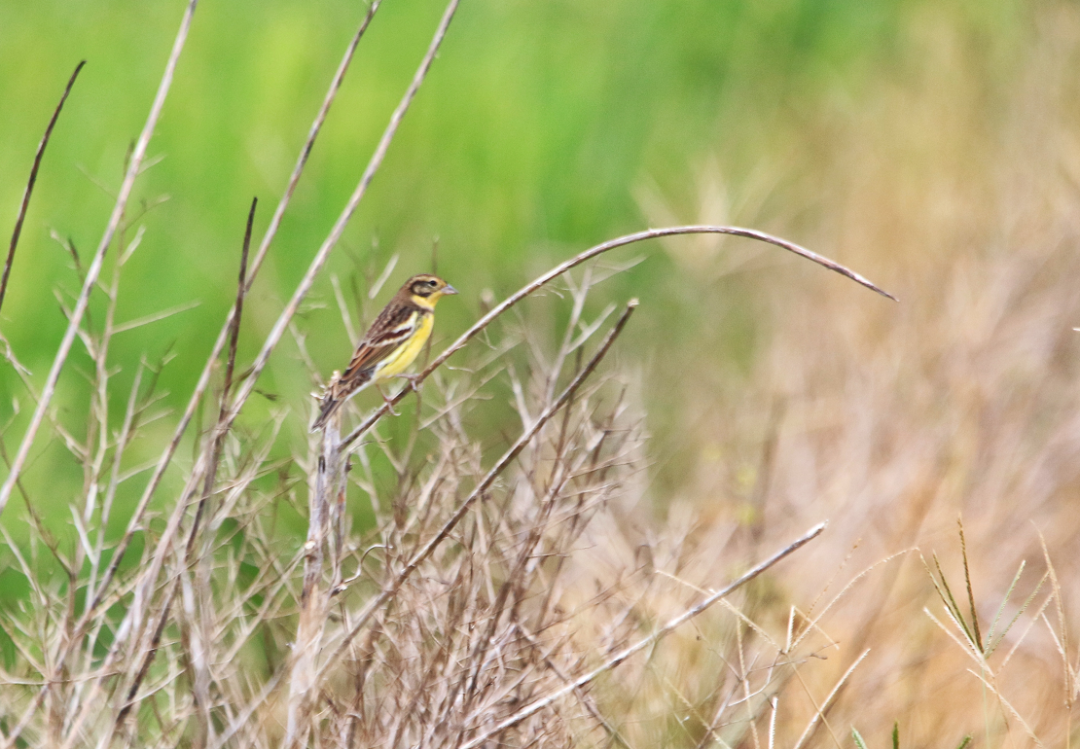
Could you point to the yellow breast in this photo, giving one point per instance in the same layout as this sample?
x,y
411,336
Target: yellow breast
x,y
400,360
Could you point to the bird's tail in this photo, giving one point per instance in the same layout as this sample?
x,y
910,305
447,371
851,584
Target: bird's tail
x,y
327,408
337,392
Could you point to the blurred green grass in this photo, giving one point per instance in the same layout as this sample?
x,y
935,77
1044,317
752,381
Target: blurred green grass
x,y
537,124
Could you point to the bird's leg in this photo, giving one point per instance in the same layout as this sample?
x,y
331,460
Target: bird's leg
x,y
388,400
413,379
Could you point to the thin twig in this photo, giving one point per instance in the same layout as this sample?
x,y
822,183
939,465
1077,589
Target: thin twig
x,y
309,144
819,714
241,292
134,168
645,642
588,254
30,183
148,658
201,637
230,366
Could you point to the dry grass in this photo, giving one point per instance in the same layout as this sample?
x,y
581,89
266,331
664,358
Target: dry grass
x,y
959,188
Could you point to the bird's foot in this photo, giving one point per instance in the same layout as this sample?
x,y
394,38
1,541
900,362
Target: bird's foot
x,y
388,400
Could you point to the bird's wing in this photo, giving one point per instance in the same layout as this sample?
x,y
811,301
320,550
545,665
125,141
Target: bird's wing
x,y
391,328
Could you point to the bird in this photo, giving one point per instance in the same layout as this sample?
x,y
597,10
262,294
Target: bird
x,y
390,344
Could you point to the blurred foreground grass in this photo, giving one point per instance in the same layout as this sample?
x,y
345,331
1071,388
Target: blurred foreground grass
x,y
933,146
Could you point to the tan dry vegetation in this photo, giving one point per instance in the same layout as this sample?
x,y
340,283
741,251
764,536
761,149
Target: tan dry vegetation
x,y
538,585
960,189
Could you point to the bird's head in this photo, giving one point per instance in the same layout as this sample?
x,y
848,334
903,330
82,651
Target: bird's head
x,y
425,290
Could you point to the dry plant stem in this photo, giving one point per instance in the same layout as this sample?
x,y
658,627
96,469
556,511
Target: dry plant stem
x,y
201,639
223,335
75,318
1062,640
588,254
305,152
391,589
126,432
97,347
230,367
30,183
144,668
819,714
329,476
645,642
92,273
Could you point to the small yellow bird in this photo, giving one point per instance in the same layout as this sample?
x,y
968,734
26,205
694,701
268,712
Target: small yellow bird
x,y
390,345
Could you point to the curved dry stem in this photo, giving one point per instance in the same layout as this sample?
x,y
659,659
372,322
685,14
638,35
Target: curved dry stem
x,y
588,254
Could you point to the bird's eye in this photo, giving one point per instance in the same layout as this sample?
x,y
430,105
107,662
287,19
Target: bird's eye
x,y
432,283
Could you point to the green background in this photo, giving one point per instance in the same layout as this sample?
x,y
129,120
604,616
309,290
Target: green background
x,y
539,128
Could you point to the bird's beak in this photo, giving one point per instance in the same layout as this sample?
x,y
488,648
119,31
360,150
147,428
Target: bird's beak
x,y
449,290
